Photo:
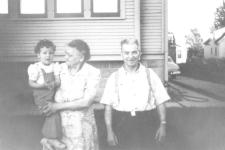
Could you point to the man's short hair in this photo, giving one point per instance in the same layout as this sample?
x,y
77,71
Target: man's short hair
x,y
129,41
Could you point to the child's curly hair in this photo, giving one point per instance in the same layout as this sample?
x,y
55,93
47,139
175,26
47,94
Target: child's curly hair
x,y
44,43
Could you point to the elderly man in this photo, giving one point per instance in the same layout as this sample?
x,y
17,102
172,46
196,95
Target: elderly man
x,y
129,96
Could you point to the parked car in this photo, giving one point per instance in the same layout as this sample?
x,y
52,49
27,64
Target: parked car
x,y
173,69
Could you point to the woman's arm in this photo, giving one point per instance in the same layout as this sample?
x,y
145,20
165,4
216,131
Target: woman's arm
x,y
89,94
52,108
77,104
73,105
84,102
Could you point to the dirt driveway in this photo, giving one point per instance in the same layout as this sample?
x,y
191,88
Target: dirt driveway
x,y
188,128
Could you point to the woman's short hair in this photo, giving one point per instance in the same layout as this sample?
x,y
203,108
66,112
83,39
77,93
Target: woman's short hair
x,y
129,41
44,43
82,47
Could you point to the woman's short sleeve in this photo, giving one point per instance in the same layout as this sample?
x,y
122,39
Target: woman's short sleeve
x,y
33,72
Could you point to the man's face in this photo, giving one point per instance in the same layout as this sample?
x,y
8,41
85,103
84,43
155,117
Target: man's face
x,y
131,55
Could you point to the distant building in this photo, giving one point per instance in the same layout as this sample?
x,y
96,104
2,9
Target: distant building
x,y
172,46
214,47
176,52
181,54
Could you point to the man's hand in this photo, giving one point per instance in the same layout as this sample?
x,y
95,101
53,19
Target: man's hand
x,y
161,133
112,139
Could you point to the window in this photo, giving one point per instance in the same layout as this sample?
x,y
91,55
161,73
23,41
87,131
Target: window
x,y
33,8
179,54
4,8
215,51
69,8
211,51
105,8
58,9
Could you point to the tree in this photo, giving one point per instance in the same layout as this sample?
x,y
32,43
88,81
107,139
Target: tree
x,y
219,21
195,44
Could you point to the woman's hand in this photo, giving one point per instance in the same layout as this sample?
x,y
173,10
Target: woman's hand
x,y
51,85
50,108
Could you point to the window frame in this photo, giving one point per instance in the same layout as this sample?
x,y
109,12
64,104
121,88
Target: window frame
x,y
32,15
70,15
105,14
2,15
14,12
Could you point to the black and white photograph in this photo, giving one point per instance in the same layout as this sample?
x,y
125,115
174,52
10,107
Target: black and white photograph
x,y
112,74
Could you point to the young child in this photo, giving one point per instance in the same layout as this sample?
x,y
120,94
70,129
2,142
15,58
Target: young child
x,y
44,79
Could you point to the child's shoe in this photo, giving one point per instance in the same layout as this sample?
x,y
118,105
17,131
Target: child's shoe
x,y
57,144
45,144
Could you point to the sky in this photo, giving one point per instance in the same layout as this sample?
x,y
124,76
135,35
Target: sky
x,y
184,15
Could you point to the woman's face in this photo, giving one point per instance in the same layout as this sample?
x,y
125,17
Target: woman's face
x,y
73,57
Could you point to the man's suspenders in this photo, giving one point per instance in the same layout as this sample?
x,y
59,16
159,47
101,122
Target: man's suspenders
x,y
117,86
151,91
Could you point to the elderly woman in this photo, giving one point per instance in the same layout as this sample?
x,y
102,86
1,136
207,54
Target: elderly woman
x,y
79,84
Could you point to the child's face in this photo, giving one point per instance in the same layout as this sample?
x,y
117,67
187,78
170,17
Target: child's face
x,y
46,55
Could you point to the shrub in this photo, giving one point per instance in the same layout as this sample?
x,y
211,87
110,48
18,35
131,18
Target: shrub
x,y
216,64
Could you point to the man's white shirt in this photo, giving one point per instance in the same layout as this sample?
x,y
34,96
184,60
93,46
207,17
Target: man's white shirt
x,y
130,91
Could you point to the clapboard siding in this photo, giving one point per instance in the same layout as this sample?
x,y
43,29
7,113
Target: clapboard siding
x,y
18,37
153,32
151,26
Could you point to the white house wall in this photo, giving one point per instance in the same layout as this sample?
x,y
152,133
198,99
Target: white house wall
x,y
19,36
221,48
208,48
207,51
